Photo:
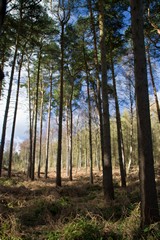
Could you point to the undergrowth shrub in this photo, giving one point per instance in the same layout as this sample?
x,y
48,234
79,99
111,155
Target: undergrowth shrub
x,y
152,232
9,229
7,182
130,226
79,229
36,214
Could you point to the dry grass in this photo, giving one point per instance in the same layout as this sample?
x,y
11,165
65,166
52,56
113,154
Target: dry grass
x,y
38,210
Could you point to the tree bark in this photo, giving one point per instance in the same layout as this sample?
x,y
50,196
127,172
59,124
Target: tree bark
x,y
149,204
3,4
98,102
48,128
131,128
7,106
63,18
35,119
153,84
30,126
14,119
41,128
71,137
67,142
89,116
119,128
107,163
59,150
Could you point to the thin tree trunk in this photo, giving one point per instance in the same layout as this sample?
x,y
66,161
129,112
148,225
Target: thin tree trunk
x,y
14,118
10,84
59,150
149,204
153,84
7,106
71,132
41,128
3,5
90,132
131,144
1,79
36,117
119,128
89,117
48,128
68,143
131,129
30,126
63,18
69,138
80,150
99,107
107,163
86,150
98,150
71,143
77,152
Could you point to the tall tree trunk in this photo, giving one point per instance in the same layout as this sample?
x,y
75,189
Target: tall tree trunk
x,y
48,128
36,117
99,107
3,9
41,130
59,150
14,118
63,18
71,134
131,144
98,150
131,128
77,152
119,128
7,106
90,132
153,84
86,149
149,204
80,151
30,126
67,142
1,79
3,4
89,116
107,163
71,143
2,75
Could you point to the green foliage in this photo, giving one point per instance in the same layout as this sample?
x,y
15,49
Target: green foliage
x,y
8,229
7,181
4,228
36,213
79,229
152,232
130,226
53,235
57,206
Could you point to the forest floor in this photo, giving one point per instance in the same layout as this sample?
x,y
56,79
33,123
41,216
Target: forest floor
x,y
76,211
